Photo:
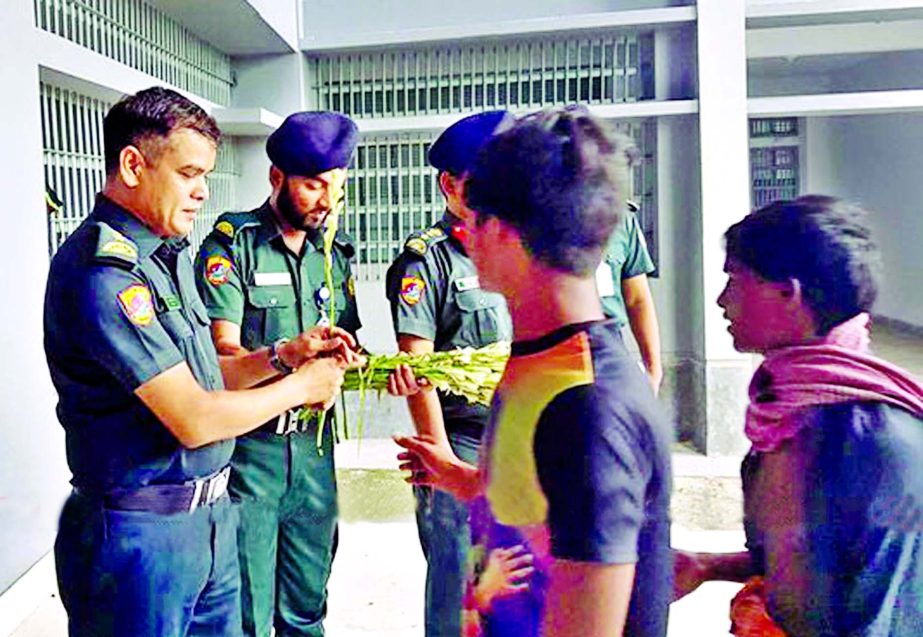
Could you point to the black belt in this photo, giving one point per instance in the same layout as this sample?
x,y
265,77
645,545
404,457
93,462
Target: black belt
x,y
166,499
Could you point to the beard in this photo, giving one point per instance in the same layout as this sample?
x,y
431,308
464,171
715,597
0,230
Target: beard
x,y
292,216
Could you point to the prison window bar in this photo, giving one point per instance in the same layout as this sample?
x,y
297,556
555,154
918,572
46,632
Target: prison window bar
x,y
392,191
517,74
136,34
74,165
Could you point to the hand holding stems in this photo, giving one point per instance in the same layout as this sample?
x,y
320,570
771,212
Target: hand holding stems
x,y
505,574
321,341
402,382
322,379
435,465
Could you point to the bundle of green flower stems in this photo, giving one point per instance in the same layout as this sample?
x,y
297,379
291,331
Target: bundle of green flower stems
x,y
470,373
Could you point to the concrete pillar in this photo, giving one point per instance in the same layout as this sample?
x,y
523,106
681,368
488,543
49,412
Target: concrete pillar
x,y
724,153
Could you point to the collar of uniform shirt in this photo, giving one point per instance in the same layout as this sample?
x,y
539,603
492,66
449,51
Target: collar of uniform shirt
x,y
127,224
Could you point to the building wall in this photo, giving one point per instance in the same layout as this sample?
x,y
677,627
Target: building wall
x,y
356,18
880,159
33,476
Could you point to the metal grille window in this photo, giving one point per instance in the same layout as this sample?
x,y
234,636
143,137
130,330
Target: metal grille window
x,y
222,189
523,73
138,35
392,191
72,140
774,160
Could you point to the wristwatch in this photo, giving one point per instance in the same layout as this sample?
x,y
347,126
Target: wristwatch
x,y
275,361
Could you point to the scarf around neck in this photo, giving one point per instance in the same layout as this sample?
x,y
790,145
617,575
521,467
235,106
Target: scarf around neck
x,y
837,369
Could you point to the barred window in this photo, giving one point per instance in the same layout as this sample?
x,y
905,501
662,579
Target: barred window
x,y
138,35
72,143
514,73
392,191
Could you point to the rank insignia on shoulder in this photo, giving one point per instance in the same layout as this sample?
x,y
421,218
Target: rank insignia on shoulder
x,y
136,303
416,245
226,228
114,247
434,233
412,288
118,248
217,269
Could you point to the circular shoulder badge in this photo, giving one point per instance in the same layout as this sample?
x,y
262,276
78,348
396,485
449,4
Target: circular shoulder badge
x,y
136,303
412,288
217,269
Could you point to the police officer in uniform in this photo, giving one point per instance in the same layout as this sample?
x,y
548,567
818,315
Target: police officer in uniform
x,y
261,274
147,540
622,282
438,304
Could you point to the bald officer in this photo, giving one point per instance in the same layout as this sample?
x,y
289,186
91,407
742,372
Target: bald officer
x,y
437,304
261,275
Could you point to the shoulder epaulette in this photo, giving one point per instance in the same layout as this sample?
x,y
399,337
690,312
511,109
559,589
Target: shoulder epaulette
x,y
114,247
230,223
420,242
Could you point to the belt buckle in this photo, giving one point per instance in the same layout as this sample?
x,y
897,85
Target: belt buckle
x,y
289,421
208,490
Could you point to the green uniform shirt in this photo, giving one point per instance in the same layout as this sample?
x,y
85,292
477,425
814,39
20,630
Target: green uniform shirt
x,y
246,275
626,257
435,294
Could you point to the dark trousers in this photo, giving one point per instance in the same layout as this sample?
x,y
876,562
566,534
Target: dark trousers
x,y
286,494
442,522
145,574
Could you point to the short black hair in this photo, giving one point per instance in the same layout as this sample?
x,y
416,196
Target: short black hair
x,y
560,177
823,242
152,114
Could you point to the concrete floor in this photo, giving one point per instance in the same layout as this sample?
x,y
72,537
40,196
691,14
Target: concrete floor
x,y
377,582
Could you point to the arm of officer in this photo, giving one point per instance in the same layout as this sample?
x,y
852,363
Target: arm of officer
x,y
642,317
242,368
198,417
425,409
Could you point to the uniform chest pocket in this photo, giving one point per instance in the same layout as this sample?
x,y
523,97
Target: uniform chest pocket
x,y
483,318
270,315
176,324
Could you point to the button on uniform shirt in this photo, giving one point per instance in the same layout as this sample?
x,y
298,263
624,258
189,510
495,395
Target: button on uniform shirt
x,y
249,277
626,257
121,308
435,294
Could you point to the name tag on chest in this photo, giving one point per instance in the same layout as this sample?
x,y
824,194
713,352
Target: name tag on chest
x,y
467,283
604,283
272,278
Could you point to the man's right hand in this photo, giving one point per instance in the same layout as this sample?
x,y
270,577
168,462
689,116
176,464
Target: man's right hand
x,y
319,341
322,379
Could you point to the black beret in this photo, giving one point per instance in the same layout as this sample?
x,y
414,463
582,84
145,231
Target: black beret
x,y
456,149
310,143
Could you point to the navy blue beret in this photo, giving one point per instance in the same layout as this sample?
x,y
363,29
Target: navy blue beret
x,y
456,149
310,143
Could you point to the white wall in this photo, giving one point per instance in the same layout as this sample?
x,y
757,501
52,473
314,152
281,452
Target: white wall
x,y
880,159
33,474
326,18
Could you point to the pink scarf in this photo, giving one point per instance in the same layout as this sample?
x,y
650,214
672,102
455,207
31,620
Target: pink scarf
x,y
837,369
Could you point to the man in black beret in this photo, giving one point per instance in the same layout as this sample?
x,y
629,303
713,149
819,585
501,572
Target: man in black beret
x,y
261,275
437,304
